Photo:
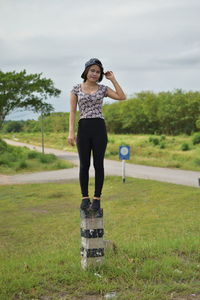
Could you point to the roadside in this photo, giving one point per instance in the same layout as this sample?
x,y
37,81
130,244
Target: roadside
x,y
189,178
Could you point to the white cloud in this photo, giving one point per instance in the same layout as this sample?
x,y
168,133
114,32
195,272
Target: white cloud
x,y
147,43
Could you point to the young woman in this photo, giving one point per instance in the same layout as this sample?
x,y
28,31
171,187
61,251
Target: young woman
x,y
92,135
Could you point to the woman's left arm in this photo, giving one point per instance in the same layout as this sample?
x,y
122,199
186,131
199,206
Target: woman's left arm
x,y
118,94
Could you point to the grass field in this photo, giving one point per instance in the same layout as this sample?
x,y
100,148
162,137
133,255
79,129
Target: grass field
x,y
14,160
163,151
154,226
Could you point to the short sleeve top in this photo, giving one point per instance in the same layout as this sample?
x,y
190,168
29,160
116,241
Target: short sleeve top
x,y
90,105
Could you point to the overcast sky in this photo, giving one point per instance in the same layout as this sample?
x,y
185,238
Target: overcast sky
x,y
148,44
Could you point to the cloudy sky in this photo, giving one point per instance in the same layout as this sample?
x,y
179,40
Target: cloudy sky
x,y
148,44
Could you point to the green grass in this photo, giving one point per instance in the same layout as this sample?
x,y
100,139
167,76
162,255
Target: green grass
x,y
170,151
167,153
154,226
14,160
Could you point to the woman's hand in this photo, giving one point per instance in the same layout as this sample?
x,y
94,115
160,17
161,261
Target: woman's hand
x,y
72,139
109,75
118,93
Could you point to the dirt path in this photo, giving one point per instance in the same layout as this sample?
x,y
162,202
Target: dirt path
x,y
190,178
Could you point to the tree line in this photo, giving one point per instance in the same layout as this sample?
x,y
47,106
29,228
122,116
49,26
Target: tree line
x,y
54,122
169,113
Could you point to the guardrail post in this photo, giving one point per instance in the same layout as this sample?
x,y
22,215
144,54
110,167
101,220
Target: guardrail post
x,y
92,244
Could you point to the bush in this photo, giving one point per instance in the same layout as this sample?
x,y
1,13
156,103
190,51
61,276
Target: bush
x,y
154,140
185,147
163,137
3,146
33,154
22,164
7,158
13,126
162,145
196,139
47,158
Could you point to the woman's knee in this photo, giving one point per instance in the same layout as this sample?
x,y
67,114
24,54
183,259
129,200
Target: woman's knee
x,y
84,167
98,167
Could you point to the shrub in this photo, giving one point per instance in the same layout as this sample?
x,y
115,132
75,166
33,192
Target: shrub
x,y
154,140
198,123
7,158
196,139
3,146
163,137
185,147
150,139
33,154
162,145
47,158
22,165
4,160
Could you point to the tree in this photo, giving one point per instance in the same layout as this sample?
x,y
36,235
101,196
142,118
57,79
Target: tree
x,y
56,122
149,103
138,120
113,117
31,126
13,126
198,123
25,91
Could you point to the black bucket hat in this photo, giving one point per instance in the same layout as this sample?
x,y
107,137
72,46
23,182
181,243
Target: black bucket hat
x,y
92,61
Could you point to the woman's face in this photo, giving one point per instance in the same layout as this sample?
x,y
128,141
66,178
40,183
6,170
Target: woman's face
x,y
94,73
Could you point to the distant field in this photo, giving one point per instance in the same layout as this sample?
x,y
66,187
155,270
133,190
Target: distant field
x,y
164,151
154,226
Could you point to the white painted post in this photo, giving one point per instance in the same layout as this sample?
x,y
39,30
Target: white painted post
x,y
92,244
123,170
124,154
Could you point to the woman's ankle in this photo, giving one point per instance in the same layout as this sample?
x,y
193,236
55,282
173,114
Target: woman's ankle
x,y
96,198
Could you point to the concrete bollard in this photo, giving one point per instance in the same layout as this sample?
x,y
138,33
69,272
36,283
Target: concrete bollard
x,y
92,244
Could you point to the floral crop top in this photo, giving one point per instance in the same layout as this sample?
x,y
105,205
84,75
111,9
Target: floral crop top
x,y
90,105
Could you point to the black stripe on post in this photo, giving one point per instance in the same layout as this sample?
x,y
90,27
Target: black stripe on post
x,y
92,252
92,233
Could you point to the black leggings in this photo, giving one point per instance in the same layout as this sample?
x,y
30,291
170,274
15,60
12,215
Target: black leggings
x,y
91,135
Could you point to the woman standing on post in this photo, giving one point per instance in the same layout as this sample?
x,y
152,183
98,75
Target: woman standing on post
x,y
92,135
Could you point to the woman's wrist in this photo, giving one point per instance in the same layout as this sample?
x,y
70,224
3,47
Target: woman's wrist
x,y
71,132
113,80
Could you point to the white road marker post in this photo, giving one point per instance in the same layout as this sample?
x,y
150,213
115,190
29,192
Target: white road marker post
x,y
124,154
92,244
123,170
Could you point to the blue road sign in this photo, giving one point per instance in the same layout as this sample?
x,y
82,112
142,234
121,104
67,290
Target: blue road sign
x,y
124,152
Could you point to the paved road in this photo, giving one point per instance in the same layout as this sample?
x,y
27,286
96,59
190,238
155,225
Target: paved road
x,y
189,178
